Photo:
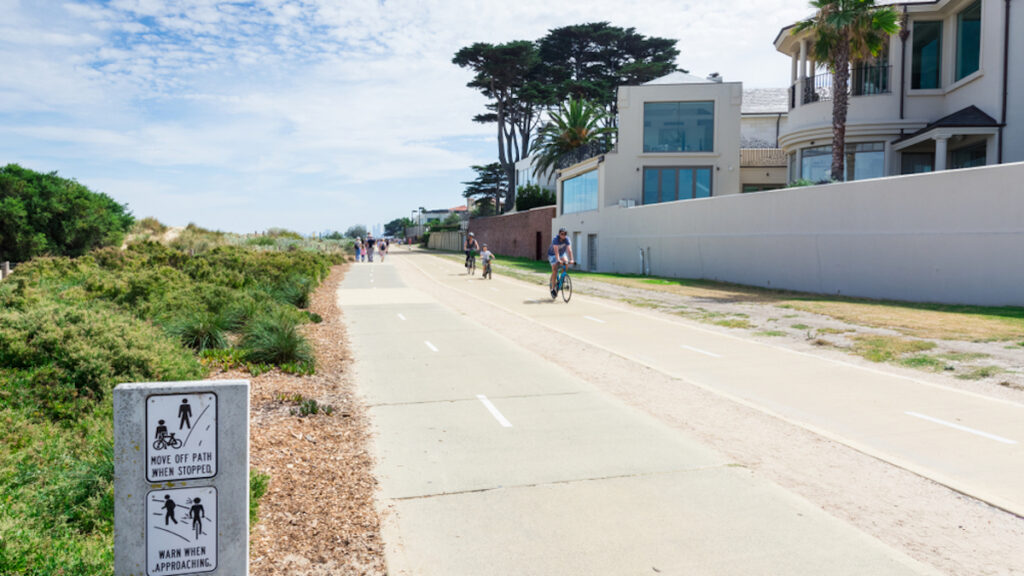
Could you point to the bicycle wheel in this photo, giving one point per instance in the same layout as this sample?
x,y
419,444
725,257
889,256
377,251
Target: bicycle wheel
x,y
159,445
176,443
566,288
472,266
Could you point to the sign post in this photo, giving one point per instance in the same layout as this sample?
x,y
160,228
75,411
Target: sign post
x,y
181,478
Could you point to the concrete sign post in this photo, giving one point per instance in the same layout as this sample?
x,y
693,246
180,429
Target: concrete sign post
x,y
181,478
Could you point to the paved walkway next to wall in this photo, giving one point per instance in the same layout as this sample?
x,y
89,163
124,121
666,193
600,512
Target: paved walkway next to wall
x,y
494,460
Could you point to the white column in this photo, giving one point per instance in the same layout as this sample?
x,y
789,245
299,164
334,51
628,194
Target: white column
x,y
803,58
793,69
940,152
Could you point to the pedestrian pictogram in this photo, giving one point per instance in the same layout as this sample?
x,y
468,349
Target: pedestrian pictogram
x,y
181,531
182,437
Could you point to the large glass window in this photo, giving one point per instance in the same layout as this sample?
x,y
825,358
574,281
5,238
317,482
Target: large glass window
x,y
668,184
968,157
916,162
679,126
865,160
925,71
968,40
816,164
580,193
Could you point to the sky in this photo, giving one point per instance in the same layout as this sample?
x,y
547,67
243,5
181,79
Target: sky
x,y
309,115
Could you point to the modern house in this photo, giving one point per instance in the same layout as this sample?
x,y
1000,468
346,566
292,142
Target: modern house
x,y
680,138
947,92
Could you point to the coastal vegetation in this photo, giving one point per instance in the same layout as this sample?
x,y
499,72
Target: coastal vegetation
x,y
77,322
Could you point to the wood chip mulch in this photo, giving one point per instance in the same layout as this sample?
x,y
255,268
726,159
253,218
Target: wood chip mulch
x,y
318,516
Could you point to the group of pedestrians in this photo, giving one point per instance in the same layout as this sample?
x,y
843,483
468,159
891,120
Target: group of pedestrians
x,y
365,249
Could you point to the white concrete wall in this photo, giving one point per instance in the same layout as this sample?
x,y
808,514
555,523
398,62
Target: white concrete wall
x,y
761,130
955,237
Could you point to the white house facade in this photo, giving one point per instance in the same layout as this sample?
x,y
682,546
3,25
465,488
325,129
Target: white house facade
x,y
678,139
947,92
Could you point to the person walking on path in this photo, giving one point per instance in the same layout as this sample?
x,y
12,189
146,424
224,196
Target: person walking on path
x,y
369,247
169,505
359,249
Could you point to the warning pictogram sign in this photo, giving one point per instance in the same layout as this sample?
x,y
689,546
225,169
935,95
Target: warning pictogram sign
x,y
181,437
181,531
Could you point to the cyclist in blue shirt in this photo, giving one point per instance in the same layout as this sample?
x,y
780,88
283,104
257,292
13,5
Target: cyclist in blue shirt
x,y
560,245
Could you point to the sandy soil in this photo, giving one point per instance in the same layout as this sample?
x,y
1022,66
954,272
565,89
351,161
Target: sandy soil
x,y
929,522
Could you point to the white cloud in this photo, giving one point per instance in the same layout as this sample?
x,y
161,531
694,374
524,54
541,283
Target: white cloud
x,y
354,92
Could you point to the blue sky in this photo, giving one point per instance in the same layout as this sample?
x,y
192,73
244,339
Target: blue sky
x,y
304,114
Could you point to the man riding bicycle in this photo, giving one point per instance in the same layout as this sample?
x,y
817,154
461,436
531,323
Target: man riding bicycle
x,y
560,245
470,247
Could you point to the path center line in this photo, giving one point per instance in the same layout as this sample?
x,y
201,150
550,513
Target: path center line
x,y
699,351
962,428
401,316
595,319
429,345
494,411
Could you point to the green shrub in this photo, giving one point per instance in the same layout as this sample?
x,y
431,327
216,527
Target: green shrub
x,y
258,485
201,330
532,196
64,358
275,339
46,214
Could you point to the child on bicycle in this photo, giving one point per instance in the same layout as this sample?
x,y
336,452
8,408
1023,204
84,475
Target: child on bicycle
x,y
560,245
486,256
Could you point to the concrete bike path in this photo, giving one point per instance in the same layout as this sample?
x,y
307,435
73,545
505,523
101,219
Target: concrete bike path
x,y
494,461
966,441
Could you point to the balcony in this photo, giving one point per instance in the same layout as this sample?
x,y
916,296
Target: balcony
x,y
585,152
865,80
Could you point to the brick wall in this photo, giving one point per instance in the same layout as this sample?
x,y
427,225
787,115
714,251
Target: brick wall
x,y
523,234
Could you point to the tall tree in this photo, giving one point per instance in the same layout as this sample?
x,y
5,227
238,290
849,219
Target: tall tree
x,y
577,124
490,185
591,61
845,32
507,75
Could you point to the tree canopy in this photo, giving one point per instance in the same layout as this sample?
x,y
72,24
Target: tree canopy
x,y
577,124
487,189
590,61
44,214
523,79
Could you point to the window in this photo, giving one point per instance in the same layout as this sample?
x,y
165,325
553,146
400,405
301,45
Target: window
x,y
917,162
925,70
969,156
580,193
816,164
679,126
871,77
668,184
865,160
968,40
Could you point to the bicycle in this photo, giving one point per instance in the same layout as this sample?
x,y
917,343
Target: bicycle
x,y
563,283
167,440
487,270
471,262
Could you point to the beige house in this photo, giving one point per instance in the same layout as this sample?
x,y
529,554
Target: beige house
x,y
678,139
947,92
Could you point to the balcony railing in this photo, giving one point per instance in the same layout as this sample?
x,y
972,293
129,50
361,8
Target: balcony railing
x,y
589,150
864,80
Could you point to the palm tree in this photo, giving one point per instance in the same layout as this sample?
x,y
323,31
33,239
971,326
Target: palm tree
x,y
846,31
577,123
